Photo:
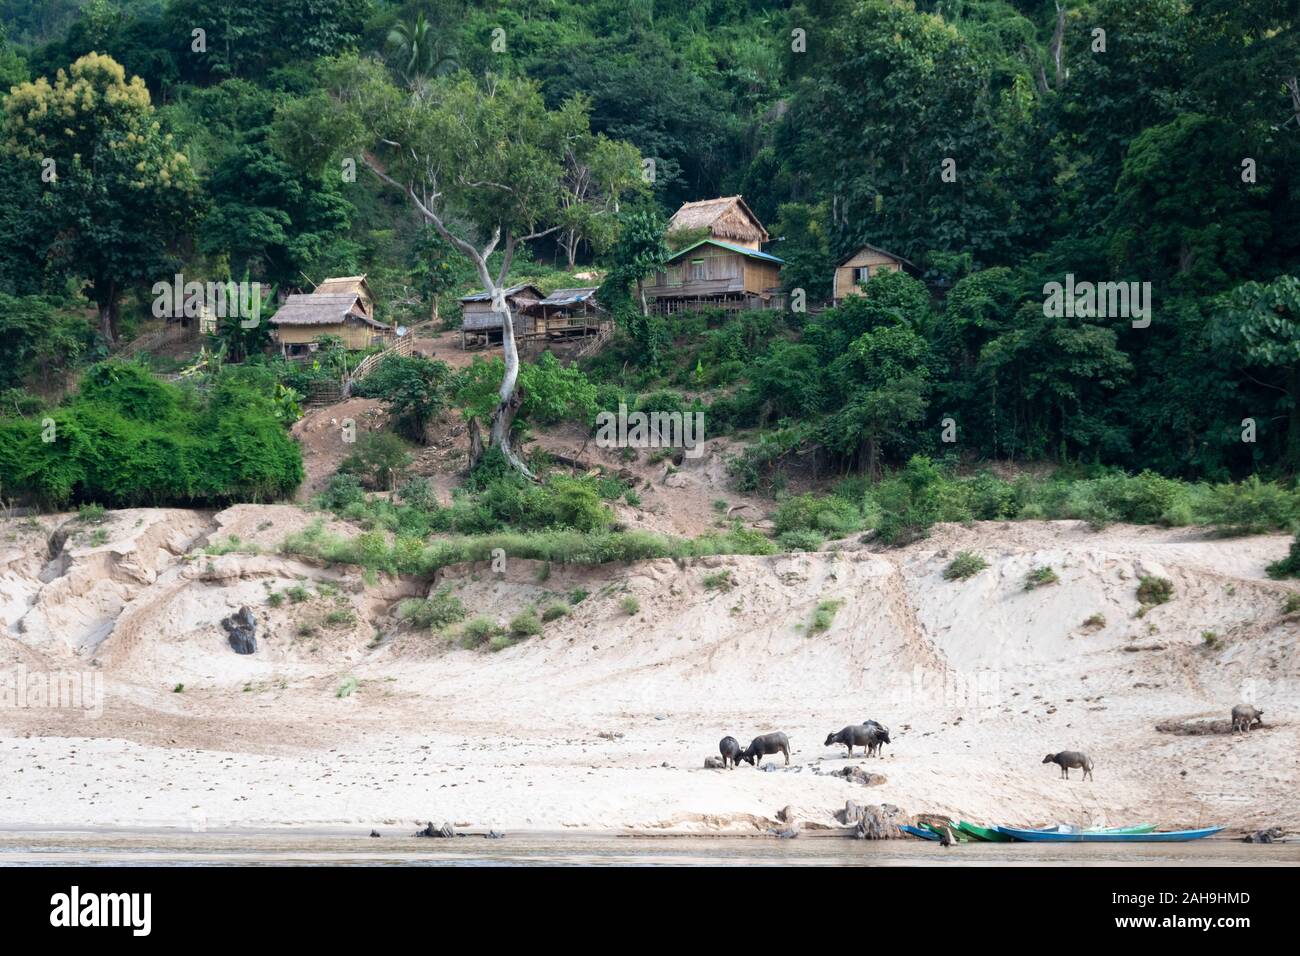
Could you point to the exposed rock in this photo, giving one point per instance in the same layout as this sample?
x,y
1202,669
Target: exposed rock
x,y
770,768
1270,835
241,630
494,835
789,833
444,831
873,822
864,777
374,833
712,763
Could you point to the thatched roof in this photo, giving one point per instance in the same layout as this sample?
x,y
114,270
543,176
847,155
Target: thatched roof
x,y
355,285
328,308
725,218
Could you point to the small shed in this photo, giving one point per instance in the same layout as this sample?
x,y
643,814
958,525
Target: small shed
x,y
861,266
570,313
726,218
481,325
304,318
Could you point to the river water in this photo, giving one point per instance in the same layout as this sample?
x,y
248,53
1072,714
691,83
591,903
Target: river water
x,y
93,847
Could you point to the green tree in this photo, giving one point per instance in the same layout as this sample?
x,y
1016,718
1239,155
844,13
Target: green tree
x,y
1260,324
122,187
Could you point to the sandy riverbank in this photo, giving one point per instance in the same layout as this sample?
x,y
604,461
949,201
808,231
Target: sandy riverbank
x,y
604,721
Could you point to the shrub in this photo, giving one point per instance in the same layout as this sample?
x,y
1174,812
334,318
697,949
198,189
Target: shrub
x,y
1095,620
379,460
1288,567
526,624
1251,507
275,599
419,493
831,515
479,631
437,611
719,581
629,605
297,593
1210,639
577,596
1153,590
499,642
414,389
1040,577
824,615
341,491
347,688
91,513
800,541
911,501
1291,603
554,612
127,438
963,566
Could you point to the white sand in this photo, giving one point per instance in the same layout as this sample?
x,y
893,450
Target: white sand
x,y
976,679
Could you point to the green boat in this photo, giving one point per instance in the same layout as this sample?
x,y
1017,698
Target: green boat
x,y
980,833
955,829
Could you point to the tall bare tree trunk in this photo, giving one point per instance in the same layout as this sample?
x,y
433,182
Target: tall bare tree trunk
x,y
508,401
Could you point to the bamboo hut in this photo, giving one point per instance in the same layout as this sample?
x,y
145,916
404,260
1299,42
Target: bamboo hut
x,y
350,285
570,313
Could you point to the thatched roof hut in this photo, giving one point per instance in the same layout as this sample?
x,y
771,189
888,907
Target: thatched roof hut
x,y
302,318
727,218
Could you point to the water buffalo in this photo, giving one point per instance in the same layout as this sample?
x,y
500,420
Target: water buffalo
x,y
1246,716
858,735
764,745
881,733
1071,759
729,747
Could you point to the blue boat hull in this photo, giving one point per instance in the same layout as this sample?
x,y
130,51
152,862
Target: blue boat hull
x,y
1085,836
920,832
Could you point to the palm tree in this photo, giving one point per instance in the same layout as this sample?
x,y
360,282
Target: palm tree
x,y
417,53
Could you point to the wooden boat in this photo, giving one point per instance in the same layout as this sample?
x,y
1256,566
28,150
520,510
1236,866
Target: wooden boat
x,y
1106,836
957,835
921,832
986,834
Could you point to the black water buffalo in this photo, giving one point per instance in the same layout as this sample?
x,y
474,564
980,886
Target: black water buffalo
x,y
764,745
858,735
1071,759
729,747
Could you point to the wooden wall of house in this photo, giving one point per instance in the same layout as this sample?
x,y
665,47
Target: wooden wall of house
x,y
478,316
761,276
355,335
877,261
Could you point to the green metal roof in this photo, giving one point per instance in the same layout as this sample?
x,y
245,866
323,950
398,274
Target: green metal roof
x,y
751,253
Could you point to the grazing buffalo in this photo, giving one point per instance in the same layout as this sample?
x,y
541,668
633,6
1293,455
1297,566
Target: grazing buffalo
x,y
729,747
858,735
777,743
1071,759
1246,716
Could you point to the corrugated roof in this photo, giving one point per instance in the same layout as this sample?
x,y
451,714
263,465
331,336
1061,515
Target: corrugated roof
x,y
751,253
569,296
481,296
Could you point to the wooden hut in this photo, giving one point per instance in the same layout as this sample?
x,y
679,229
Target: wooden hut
x,y
727,219
304,318
570,313
480,324
859,267
716,274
